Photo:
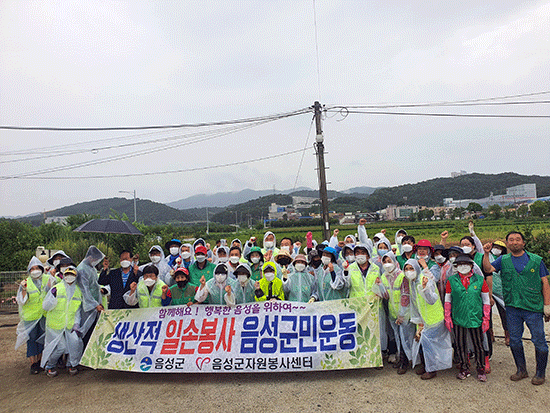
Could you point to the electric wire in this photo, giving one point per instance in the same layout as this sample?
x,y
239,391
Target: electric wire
x,y
303,153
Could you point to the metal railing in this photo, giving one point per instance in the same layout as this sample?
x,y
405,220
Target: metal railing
x,y
9,284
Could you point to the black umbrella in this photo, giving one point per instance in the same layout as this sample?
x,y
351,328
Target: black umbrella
x,y
108,226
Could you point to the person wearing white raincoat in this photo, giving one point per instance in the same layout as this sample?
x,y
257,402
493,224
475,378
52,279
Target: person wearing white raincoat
x,y
92,298
330,283
156,255
245,291
382,247
398,313
219,290
30,297
299,284
398,241
63,304
432,339
269,249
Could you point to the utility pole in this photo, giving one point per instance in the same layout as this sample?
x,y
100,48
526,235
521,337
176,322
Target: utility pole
x,y
135,209
320,152
207,223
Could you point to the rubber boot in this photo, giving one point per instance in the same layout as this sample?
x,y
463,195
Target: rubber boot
x,y
542,361
519,358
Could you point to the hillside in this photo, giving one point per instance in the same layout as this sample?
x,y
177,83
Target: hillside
x,y
254,209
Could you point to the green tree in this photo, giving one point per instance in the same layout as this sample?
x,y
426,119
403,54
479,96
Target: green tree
x,y
539,208
522,211
495,211
474,207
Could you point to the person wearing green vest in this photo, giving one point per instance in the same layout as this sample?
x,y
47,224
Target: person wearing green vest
x,y
219,290
527,298
201,267
432,340
256,259
63,304
269,287
181,293
149,291
397,286
29,298
467,314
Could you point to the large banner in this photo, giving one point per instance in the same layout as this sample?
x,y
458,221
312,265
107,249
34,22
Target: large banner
x,y
255,337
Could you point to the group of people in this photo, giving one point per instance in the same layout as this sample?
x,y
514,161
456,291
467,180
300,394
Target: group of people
x,y
434,302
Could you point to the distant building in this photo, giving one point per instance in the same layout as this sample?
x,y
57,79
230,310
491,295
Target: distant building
x,y
396,213
525,193
58,220
455,174
277,212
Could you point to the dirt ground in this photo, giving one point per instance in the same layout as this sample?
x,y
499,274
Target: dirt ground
x,y
338,391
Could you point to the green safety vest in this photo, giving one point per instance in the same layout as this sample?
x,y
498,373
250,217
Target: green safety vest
x,y
195,273
467,309
402,260
361,287
478,259
523,290
62,315
394,303
181,297
147,300
431,314
32,309
256,274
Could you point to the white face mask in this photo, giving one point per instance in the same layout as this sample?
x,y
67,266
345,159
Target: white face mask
x,y
255,260
234,260
174,250
440,259
466,250
463,269
399,239
223,260
286,247
496,252
125,263
35,274
411,275
300,267
186,255
406,248
325,260
423,257
269,276
69,279
149,282
388,267
350,258
452,259
155,259
361,259
243,278
200,258
220,278
268,244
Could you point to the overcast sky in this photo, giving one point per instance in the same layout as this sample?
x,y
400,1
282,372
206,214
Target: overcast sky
x,y
106,64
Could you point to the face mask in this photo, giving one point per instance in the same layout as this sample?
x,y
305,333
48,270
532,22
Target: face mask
x,y
255,260
220,278
56,262
349,245
174,250
315,263
243,278
125,263
200,258
440,259
284,262
452,259
63,269
411,275
286,247
325,260
268,244
300,267
463,269
149,282
381,253
155,259
389,267
350,258
361,259
69,279
234,259
399,239
182,284
467,250
269,276
223,260
423,257
407,248
35,274
496,252
185,255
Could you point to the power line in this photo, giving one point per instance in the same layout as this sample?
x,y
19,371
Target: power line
x,y
178,126
344,111
303,153
161,172
416,105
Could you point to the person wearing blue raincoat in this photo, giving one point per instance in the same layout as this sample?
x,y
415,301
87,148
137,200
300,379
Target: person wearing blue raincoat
x,y
330,283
